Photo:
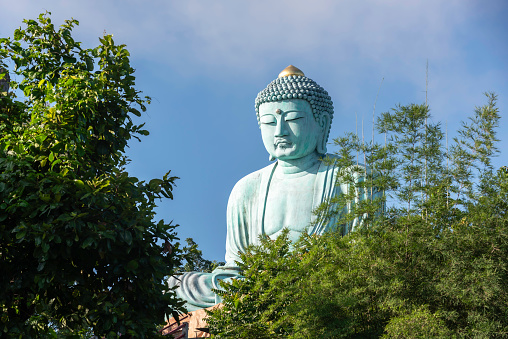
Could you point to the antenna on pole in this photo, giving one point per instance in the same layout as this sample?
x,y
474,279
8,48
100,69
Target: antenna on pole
x,y
426,83
426,114
363,146
447,165
374,110
356,117
373,118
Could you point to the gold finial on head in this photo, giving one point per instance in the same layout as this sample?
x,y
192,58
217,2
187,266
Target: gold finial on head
x,y
291,70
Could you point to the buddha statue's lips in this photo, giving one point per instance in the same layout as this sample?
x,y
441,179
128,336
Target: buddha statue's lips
x,y
282,142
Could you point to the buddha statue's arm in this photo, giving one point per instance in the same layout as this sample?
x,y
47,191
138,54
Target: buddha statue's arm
x,y
196,287
242,228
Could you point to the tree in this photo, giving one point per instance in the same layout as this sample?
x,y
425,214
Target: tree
x,y
431,257
79,247
194,261
255,304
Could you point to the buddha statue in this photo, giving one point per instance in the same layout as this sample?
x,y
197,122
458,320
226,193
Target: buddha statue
x,y
294,114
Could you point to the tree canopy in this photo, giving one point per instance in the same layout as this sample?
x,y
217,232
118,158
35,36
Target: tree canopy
x,y
79,248
194,261
429,260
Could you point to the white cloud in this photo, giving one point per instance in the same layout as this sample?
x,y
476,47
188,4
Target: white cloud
x,y
347,40
232,34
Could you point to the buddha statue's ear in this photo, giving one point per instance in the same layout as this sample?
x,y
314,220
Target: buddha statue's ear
x,y
324,123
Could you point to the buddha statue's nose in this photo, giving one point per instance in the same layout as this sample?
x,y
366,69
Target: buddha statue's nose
x,y
281,128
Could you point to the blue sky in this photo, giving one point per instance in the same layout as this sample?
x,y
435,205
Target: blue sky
x,y
203,63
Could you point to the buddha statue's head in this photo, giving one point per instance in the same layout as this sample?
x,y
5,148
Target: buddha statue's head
x,y
294,114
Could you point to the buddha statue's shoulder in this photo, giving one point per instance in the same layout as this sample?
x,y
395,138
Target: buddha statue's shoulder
x,y
329,163
251,183
332,161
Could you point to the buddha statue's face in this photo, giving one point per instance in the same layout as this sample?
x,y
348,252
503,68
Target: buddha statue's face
x,y
288,129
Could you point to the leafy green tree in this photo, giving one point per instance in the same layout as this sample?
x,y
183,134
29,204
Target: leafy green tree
x,y
254,305
429,260
194,261
79,247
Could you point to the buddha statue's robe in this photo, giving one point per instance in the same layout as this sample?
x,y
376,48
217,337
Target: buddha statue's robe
x,y
246,221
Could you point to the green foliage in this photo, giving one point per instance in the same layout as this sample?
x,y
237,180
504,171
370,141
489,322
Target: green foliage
x,y
194,261
79,248
253,305
430,258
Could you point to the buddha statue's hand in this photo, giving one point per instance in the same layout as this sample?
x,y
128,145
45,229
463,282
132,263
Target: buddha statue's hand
x,y
223,273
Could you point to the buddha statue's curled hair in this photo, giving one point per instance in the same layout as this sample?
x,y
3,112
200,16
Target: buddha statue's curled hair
x,y
298,87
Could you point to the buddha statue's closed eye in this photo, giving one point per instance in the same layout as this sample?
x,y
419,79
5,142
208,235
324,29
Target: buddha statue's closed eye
x,y
294,115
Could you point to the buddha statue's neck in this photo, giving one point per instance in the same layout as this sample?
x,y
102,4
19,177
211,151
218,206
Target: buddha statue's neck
x,y
300,165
